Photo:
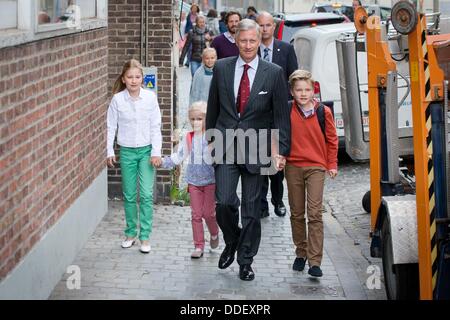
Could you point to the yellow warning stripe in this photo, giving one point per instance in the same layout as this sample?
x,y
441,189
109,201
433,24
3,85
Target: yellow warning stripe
x,y
428,124
434,254
432,229
432,203
427,74
434,280
424,48
430,177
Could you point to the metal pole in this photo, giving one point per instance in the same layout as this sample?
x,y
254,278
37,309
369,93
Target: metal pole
x,y
146,33
435,5
179,21
142,31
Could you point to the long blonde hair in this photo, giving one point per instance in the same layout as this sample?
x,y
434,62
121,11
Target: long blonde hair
x,y
118,84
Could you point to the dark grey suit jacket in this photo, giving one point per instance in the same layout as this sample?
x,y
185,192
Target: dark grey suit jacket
x,y
266,108
284,55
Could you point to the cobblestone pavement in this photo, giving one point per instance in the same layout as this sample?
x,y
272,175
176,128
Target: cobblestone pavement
x,y
110,272
343,199
168,272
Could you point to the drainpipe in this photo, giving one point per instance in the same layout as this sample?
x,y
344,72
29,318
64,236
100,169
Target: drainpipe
x,y
142,32
146,33
435,5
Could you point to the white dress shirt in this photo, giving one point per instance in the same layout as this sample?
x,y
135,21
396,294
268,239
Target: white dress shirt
x,y
270,47
138,119
239,70
229,37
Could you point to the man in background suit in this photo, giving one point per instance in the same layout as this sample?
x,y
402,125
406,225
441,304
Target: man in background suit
x,y
282,54
244,91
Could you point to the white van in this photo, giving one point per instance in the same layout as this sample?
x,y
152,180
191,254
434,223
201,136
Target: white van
x,y
316,52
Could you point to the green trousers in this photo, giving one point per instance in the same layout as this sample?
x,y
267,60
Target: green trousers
x,y
134,164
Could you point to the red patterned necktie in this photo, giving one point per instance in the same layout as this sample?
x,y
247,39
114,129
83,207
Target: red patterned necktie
x,y
244,91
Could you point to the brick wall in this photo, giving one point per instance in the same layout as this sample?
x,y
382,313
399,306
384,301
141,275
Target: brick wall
x,y
53,96
124,30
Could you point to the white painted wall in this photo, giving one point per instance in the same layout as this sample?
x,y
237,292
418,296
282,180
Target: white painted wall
x,y
37,274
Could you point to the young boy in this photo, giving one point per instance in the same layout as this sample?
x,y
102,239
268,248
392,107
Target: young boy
x,y
313,154
202,77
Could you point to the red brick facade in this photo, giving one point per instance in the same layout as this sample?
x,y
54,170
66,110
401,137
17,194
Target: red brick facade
x,y
53,99
124,30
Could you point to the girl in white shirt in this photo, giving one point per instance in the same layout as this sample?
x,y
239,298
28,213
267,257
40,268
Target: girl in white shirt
x,y
134,114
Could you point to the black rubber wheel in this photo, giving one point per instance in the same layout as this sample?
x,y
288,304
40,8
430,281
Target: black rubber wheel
x,y
366,201
401,280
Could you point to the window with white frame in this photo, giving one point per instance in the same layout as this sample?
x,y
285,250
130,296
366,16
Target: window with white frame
x,y
64,13
23,21
8,14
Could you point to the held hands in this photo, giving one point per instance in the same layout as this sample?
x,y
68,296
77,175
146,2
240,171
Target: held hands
x,y
156,161
110,161
332,173
280,162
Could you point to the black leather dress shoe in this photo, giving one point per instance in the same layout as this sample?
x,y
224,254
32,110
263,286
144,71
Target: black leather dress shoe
x,y
227,256
280,210
246,272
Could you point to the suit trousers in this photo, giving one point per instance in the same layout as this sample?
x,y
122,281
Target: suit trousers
x,y
308,241
276,188
227,209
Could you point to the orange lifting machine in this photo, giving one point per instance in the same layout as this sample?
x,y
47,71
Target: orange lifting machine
x,y
409,194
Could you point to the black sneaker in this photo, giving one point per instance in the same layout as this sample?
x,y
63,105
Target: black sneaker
x,y
299,264
315,271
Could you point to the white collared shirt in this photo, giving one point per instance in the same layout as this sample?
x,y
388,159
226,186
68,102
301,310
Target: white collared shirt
x,y
229,37
307,113
239,70
138,119
270,47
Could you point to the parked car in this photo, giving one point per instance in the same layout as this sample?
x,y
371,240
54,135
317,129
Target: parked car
x,y
347,11
288,24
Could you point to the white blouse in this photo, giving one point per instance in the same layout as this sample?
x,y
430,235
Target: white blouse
x,y
138,119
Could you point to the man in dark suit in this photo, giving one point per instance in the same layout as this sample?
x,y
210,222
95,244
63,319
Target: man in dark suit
x,y
247,96
281,53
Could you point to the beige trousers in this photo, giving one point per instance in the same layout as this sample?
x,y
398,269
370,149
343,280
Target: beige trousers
x,y
306,182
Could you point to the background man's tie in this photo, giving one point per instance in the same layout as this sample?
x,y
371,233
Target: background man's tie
x,y
266,54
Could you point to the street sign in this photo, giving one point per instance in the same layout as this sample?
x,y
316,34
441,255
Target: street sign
x,y
150,79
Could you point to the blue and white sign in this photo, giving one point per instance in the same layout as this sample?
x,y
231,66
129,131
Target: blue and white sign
x,y
150,79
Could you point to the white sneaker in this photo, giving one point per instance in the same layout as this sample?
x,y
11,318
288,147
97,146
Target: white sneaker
x,y
145,247
128,243
197,253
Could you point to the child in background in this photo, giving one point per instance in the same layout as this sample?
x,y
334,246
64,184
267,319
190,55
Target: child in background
x,y
313,153
134,113
202,77
200,179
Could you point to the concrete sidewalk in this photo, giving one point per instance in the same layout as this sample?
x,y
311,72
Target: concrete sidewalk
x,y
168,272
